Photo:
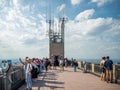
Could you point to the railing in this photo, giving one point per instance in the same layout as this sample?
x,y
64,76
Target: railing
x,y
1,82
17,77
88,67
116,73
95,69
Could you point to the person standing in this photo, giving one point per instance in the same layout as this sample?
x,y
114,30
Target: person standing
x,y
50,61
41,65
46,64
35,70
102,66
75,64
109,69
66,62
28,69
38,64
61,64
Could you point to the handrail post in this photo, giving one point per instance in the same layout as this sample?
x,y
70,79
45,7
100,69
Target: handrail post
x,y
79,65
114,73
5,82
93,68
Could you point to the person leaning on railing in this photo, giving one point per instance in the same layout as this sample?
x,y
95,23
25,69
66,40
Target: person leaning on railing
x,y
102,67
109,69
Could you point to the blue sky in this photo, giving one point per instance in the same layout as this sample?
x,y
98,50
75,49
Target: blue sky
x,y
92,29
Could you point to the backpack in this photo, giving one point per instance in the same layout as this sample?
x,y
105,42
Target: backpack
x,y
34,72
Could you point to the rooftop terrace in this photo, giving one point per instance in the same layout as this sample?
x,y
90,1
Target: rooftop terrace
x,y
69,80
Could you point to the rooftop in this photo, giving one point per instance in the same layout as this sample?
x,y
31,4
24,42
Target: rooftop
x,y
69,80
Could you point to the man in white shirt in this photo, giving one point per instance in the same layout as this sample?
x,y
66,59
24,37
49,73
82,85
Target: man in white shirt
x,y
28,69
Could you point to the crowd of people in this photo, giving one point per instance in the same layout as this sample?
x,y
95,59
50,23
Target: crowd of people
x,y
35,66
107,69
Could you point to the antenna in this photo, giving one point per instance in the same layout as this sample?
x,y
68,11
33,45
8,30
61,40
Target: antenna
x,y
55,32
50,19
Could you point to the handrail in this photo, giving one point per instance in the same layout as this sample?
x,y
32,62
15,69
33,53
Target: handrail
x,y
95,69
17,76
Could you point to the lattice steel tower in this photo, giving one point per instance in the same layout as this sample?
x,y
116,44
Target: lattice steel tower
x,y
56,39
56,34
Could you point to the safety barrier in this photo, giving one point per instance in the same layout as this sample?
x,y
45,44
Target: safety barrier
x,y
13,80
95,69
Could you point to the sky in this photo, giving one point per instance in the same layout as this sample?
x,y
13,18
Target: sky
x,y
92,29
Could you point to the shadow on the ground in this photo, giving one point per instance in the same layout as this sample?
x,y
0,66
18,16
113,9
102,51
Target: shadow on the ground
x,y
49,80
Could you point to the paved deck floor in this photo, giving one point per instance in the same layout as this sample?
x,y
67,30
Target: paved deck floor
x,y
69,80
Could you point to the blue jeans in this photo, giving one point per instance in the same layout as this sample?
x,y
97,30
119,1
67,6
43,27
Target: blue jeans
x,y
74,68
28,80
46,68
41,68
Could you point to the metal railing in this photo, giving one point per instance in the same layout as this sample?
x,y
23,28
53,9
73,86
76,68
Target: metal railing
x,y
17,76
1,82
95,69
88,67
117,73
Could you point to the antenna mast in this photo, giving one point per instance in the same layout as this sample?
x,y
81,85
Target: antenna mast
x,y
56,35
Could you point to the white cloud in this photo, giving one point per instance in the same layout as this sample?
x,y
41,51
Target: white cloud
x,y
11,15
90,34
2,1
61,7
101,2
42,17
76,2
90,26
85,15
112,48
20,31
16,2
26,8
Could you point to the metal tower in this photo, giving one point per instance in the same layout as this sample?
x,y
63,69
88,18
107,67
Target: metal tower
x,y
56,34
56,39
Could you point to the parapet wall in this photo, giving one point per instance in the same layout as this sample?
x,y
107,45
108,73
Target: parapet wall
x,y
17,78
95,69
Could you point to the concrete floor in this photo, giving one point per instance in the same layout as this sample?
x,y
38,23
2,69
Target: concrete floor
x,y
69,80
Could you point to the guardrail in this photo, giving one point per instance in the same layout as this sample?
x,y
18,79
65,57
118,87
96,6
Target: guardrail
x,y
1,82
17,77
95,69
